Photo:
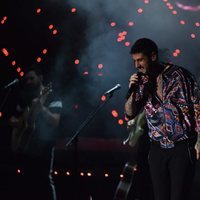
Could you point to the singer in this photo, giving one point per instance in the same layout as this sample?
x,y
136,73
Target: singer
x,y
171,99
34,132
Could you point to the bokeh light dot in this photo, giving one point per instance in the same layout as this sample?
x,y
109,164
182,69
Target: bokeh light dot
x,y
13,63
100,66
39,59
131,23
127,44
178,51
18,69
73,10
44,51
55,31
21,74
193,35
77,61
120,121
182,22
51,26
114,113
86,73
38,10
5,52
112,24
140,10
124,33
103,98
119,39
174,12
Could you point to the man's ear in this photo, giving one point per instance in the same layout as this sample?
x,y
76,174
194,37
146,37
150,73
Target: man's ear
x,y
154,56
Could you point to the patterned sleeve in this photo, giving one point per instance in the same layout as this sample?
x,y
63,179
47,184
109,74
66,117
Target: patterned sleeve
x,y
196,103
195,100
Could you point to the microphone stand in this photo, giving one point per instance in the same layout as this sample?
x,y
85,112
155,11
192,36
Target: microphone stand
x,y
73,142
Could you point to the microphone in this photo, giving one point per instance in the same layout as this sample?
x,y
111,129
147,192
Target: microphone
x,y
16,80
134,87
117,87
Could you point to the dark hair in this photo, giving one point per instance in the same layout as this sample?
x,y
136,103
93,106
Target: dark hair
x,y
34,68
145,46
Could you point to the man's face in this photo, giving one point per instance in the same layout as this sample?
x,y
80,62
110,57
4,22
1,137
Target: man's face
x,y
142,62
32,80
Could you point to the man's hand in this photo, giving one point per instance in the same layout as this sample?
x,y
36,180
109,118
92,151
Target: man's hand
x,y
36,106
197,147
133,80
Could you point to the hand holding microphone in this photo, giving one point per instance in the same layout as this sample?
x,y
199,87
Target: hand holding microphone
x,y
134,79
134,83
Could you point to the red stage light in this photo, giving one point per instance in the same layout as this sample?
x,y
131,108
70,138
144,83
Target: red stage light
x,y
18,69
77,61
120,121
38,10
103,98
13,63
73,10
39,59
193,35
100,66
51,26
174,12
131,23
21,74
112,24
140,10
5,52
44,51
127,44
182,22
114,113
55,31
197,24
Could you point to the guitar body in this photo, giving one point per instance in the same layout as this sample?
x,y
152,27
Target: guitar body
x,y
136,128
125,183
23,133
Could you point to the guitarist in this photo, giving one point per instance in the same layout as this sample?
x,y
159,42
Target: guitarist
x,y
34,133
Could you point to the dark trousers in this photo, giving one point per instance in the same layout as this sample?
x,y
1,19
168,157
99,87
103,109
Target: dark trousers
x,y
172,171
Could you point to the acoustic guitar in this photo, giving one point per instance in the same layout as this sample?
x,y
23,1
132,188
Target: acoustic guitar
x,y
125,183
22,134
135,127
